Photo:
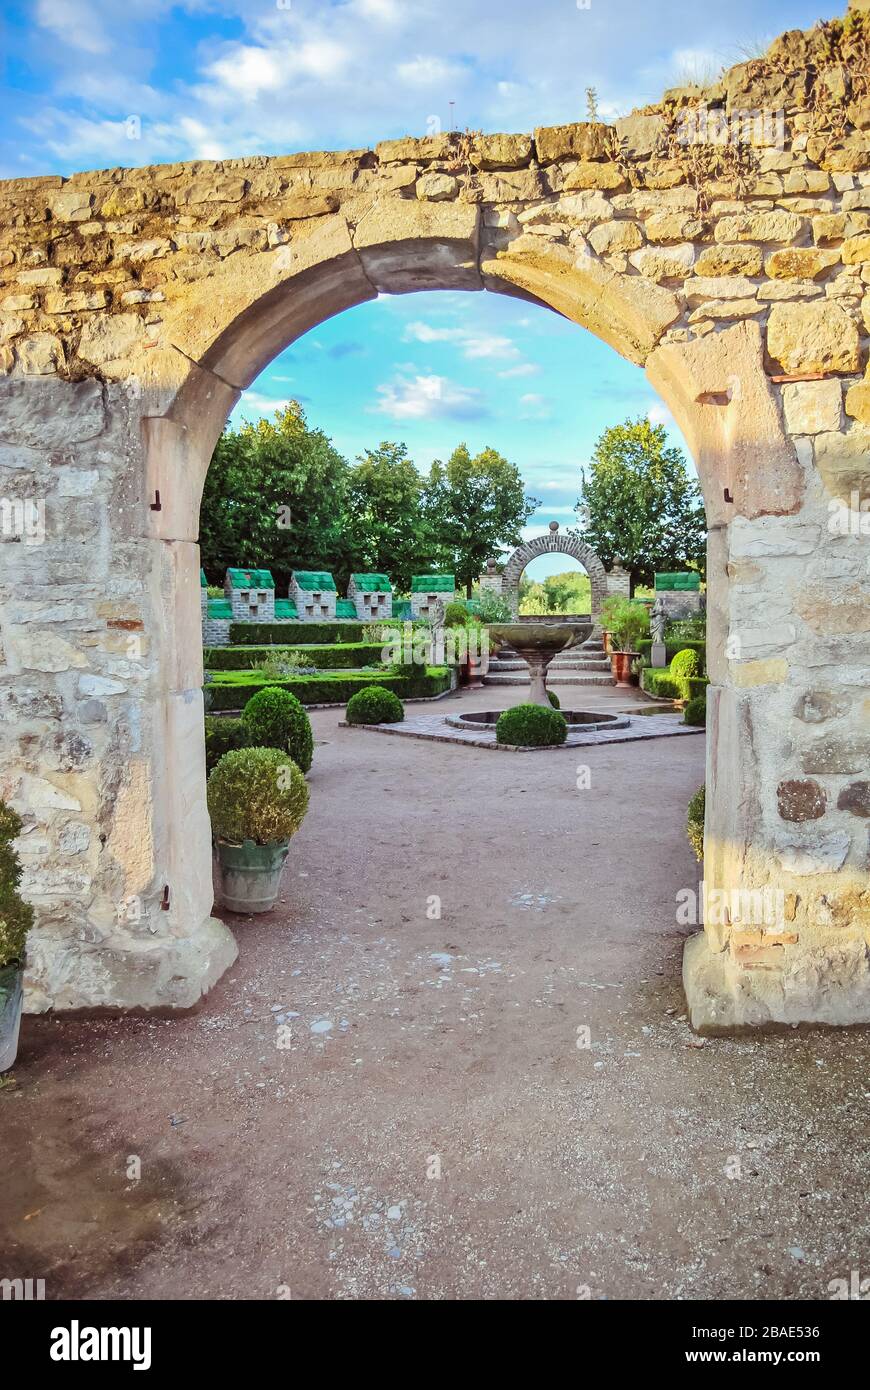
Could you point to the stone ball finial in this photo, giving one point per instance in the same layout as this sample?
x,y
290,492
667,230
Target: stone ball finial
x,y
554,526
490,566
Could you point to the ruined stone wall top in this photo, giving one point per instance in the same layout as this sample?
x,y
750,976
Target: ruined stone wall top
x,y
744,200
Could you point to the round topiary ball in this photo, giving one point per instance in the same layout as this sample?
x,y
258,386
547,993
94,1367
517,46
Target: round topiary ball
x,y
256,794
696,712
274,718
455,615
375,705
531,726
554,699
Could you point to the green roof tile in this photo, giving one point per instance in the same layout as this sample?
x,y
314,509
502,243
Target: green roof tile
x,y
372,583
433,584
219,608
345,608
285,608
203,582
680,579
250,579
314,580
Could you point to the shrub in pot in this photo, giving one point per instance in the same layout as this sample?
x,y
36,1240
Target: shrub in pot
x,y
531,726
375,705
257,799
628,623
16,919
275,718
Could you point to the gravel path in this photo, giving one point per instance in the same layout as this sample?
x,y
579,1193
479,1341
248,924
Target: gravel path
x,y
380,1102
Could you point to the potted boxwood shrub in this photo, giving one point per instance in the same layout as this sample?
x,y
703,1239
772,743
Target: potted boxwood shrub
x,y
630,623
16,919
257,799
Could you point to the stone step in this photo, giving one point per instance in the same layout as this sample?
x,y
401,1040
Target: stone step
x,y
569,678
499,664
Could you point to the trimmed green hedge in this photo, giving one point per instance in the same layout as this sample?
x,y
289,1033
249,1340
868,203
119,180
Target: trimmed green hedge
x,y
698,687
654,682
230,690
671,648
696,712
336,656
292,634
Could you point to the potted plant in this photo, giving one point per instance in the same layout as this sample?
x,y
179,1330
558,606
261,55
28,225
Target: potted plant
x,y
630,622
476,665
16,919
609,610
257,799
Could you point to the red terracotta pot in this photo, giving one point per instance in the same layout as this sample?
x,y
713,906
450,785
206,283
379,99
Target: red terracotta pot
x,y
620,666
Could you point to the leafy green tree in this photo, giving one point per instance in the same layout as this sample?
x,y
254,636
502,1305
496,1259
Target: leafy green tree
x,y
387,526
475,506
639,504
274,497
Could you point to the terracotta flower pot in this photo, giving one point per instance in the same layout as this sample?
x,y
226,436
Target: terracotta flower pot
x,y
620,666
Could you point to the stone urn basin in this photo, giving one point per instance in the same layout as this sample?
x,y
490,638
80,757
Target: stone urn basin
x,y
537,644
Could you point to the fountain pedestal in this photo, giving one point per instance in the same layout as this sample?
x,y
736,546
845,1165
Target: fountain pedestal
x,y
537,644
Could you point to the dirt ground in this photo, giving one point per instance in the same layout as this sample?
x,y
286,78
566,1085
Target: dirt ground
x,y
376,1102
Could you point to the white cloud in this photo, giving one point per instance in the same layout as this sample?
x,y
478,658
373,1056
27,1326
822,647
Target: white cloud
x,y
521,369
246,72
429,71
659,414
75,23
428,398
473,344
534,406
256,403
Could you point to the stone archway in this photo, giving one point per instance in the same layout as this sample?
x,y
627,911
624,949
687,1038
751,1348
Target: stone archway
x,y
554,542
136,304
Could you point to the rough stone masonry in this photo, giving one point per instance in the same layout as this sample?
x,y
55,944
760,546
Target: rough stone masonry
x,y
721,238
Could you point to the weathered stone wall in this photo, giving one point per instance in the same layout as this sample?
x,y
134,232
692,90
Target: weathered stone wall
x,y
134,306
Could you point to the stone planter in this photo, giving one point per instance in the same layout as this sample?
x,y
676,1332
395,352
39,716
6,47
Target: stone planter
x,y
620,666
249,875
11,1000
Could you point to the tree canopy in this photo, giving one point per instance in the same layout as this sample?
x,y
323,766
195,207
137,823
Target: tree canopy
x,y
274,497
476,506
279,496
639,503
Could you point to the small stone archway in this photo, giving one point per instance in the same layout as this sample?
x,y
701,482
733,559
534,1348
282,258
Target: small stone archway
x,y
552,543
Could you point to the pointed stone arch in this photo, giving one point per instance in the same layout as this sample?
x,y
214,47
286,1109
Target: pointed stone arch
x,y
554,543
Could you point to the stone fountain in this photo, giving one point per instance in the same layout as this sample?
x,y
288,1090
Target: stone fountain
x,y
537,643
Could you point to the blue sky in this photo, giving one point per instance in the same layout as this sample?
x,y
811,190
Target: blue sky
x,y
100,83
